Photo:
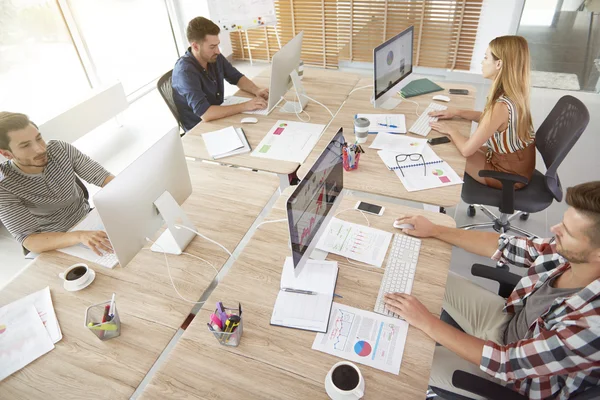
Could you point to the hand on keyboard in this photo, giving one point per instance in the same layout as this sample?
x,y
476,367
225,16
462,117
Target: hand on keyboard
x,y
410,309
443,114
97,241
257,103
443,128
422,227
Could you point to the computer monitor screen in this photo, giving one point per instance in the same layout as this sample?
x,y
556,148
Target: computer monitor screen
x,y
308,208
126,205
392,62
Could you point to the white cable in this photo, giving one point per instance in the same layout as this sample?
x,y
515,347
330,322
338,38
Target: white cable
x,y
348,209
319,103
296,111
417,110
204,237
362,87
169,270
270,222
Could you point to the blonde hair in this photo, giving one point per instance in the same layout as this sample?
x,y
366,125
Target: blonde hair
x,y
512,80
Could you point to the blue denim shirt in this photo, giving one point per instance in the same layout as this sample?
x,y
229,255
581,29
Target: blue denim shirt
x,y
195,89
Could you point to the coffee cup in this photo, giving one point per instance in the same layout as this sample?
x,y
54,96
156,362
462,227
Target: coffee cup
x,y
361,129
344,382
75,276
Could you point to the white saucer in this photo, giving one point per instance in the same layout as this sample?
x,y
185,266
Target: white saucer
x,y
83,285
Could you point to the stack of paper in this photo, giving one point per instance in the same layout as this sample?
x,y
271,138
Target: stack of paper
x,y
28,330
226,142
392,123
427,172
304,302
358,242
289,141
399,143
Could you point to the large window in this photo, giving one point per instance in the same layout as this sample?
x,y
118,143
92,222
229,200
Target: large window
x,y
127,40
40,71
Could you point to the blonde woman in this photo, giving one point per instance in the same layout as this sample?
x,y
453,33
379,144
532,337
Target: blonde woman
x,y
504,140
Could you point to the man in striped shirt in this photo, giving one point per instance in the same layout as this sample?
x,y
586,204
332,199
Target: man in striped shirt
x,y
543,341
40,198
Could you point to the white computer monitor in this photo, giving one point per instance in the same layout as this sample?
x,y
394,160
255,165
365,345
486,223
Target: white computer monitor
x,y
284,76
392,67
312,205
144,196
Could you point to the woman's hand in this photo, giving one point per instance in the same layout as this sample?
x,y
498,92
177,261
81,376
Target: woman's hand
x,y
448,113
444,129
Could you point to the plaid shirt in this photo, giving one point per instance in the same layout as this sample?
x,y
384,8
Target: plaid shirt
x,y
560,355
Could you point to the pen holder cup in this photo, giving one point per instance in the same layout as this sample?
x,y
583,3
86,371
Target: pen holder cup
x,y
230,338
103,330
349,166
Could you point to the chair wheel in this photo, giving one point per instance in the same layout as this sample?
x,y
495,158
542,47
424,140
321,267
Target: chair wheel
x,y
524,217
471,211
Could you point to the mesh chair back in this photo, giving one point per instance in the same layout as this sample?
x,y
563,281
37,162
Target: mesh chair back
x,y
166,91
557,135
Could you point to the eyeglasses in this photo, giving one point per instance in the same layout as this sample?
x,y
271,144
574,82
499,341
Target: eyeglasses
x,y
400,158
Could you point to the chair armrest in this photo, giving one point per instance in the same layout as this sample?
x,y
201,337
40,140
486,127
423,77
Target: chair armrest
x,y
503,276
482,387
508,181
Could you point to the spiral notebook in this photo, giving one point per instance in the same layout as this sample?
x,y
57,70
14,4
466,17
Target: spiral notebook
x,y
420,173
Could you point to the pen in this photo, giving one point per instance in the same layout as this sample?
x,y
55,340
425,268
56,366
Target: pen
x,y
111,310
291,290
389,126
104,319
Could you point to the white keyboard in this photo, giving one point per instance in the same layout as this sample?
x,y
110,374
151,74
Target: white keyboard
x,y
400,270
107,260
264,111
421,125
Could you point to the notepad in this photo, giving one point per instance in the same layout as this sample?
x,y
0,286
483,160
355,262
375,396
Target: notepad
x,y
306,311
429,172
226,142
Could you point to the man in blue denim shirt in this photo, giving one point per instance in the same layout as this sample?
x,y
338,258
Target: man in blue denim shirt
x,y
198,79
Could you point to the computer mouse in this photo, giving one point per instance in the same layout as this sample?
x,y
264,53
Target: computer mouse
x,y
249,120
441,97
398,225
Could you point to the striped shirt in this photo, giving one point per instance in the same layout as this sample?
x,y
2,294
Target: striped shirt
x,y
560,354
50,201
508,141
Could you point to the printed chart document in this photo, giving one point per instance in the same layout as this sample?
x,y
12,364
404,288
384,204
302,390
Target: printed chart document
x,y
416,175
289,141
225,142
364,337
400,143
392,123
91,222
306,311
42,301
358,242
23,338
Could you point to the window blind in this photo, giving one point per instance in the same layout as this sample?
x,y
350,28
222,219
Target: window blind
x,y
334,30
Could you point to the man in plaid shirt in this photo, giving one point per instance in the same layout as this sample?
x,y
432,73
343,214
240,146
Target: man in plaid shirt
x,y
544,340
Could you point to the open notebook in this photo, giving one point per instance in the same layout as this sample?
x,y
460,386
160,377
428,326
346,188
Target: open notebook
x,y
428,172
306,311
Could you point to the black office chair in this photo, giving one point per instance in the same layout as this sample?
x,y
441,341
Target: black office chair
x,y
554,139
478,385
166,91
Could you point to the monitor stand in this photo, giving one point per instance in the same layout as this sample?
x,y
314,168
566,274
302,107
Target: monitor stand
x,y
173,240
388,104
294,106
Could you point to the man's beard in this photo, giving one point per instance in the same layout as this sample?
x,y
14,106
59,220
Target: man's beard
x,y
572,256
38,161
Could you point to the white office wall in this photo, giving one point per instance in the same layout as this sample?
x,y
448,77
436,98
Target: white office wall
x,y
189,9
498,18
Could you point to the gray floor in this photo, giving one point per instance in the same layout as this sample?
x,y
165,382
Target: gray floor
x,y
569,45
145,120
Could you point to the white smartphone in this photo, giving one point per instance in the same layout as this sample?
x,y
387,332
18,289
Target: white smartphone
x,y
369,208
